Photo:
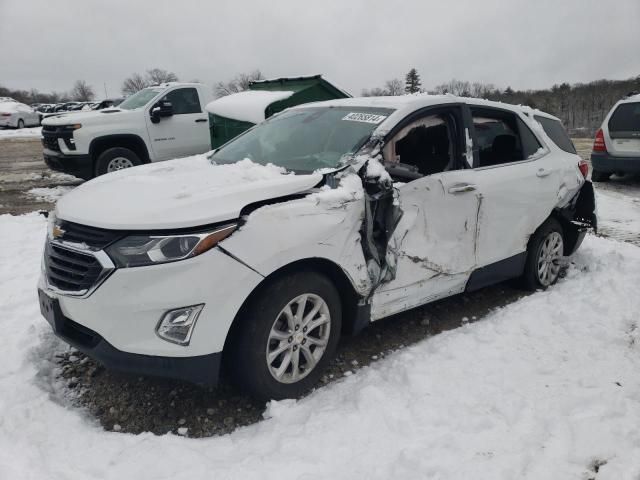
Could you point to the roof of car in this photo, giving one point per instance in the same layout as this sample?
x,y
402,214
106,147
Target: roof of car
x,y
406,104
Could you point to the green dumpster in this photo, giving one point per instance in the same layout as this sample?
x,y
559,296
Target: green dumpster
x,y
233,114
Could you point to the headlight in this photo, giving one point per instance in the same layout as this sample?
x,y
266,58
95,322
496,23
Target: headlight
x,y
139,250
71,128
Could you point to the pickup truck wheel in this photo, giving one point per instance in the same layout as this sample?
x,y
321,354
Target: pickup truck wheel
x,y
598,176
287,336
544,254
115,159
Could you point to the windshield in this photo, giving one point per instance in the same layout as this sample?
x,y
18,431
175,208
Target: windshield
x,y
140,99
306,139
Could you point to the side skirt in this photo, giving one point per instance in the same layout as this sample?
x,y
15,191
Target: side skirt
x,y
497,272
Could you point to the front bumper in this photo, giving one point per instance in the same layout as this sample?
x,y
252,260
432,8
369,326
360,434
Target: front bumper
x,y
604,162
76,165
201,369
120,317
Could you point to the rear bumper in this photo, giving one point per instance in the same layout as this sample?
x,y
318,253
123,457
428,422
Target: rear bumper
x,y
77,165
604,162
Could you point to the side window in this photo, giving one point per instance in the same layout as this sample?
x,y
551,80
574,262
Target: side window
x,y
184,100
556,132
502,137
424,147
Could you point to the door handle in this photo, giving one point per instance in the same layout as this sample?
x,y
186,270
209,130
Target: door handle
x,y
466,187
543,172
201,120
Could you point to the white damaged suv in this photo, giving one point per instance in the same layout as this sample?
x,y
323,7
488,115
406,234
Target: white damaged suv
x,y
320,220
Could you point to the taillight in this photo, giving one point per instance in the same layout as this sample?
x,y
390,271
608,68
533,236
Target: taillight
x,y
598,143
583,166
5,114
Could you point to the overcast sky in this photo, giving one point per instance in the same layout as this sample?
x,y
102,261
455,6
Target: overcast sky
x,y
357,44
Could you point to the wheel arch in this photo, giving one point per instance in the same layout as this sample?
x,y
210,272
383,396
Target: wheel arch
x,y
352,312
132,142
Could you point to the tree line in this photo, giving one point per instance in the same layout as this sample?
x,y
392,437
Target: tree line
x,y
580,106
83,92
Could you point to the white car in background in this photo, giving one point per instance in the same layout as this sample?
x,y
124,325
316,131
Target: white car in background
x,y
17,115
616,148
313,224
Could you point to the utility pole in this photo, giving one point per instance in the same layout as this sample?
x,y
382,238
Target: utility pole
x,y
105,90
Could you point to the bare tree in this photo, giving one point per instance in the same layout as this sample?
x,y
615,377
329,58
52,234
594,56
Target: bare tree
x,y
82,91
394,87
374,92
156,76
239,83
133,84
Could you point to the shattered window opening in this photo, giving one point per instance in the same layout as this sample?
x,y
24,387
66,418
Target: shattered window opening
x,y
422,148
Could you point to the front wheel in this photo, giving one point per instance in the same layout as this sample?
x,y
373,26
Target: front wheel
x,y
115,159
286,336
544,256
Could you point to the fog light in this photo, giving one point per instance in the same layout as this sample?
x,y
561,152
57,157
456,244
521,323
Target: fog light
x,y
176,326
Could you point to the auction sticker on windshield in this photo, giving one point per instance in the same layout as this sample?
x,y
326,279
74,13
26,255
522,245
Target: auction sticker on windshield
x,y
364,117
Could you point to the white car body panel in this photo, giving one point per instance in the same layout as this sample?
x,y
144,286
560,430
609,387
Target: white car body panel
x,y
187,192
443,234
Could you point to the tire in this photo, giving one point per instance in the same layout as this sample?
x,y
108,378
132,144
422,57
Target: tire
x,y
598,176
20,124
265,318
114,159
547,242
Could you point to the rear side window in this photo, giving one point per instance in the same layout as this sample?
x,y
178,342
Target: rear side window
x,y
184,100
626,118
556,132
501,137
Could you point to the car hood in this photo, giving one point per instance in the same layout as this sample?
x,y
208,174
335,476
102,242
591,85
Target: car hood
x,y
92,116
182,193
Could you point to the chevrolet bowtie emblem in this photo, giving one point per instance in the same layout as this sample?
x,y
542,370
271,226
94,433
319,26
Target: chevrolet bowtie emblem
x,y
57,232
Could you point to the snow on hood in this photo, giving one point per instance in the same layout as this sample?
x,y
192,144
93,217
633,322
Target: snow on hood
x,y
62,118
187,192
247,106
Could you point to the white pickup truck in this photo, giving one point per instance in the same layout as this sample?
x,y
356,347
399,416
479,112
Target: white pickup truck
x,y
157,123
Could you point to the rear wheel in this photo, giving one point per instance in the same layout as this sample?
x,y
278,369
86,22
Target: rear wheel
x,y
287,336
115,159
598,176
544,256
20,124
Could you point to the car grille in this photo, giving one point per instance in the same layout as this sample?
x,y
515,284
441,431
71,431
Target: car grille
x,y
93,237
71,271
51,143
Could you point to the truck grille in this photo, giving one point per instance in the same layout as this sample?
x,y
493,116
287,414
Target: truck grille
x,y
71,271
50,143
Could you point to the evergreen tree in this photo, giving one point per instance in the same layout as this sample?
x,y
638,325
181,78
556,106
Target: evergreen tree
x,y
412,82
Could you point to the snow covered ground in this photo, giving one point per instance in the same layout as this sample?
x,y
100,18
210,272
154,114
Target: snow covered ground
x,y
619,215
20,133
50,194
546,387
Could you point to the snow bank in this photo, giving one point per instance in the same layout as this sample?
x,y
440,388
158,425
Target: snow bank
x,y
247,106
22,132
543,388
618,211
49,194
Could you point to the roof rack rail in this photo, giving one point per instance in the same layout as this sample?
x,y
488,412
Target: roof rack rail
x,y
631,94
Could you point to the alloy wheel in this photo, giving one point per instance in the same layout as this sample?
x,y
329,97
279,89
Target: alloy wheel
x,y
298,338
549,256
